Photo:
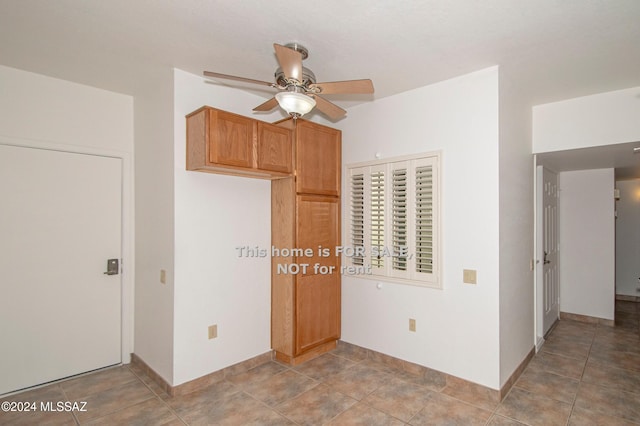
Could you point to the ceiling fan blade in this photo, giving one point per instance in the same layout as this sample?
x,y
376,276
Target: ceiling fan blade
x,y
350,86
267,106
330,109
290,61
233,77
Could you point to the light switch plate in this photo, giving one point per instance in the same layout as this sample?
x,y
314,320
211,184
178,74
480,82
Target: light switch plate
x,y
469,276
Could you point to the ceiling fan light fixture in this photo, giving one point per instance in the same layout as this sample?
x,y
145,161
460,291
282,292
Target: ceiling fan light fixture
x,y
300,91
296,104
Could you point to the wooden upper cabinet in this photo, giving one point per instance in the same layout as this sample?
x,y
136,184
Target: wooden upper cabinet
x,y
231,139
227,143
318,163
275,148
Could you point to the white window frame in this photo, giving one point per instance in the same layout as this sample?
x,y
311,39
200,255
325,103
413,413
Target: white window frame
x,y
387,269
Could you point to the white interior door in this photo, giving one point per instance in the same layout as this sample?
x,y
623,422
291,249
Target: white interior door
x,y
60,220
548,247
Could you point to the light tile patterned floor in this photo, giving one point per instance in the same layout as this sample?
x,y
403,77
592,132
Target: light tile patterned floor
x,y
584,375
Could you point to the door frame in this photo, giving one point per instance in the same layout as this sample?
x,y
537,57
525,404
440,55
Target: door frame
x,y
127,237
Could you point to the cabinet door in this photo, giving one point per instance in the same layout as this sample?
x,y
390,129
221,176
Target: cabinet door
x,y
317,294
275,148
318,163
231,139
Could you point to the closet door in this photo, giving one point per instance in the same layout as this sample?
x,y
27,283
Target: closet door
x,y
318,290
318,159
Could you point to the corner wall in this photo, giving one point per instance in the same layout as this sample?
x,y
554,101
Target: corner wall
x,y
154,307
457,326
516,226
214,214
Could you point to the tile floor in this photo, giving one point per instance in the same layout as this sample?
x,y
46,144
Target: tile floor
x,y
585,374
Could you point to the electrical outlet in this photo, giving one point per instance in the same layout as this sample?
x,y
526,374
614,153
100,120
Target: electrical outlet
x,y
412,324
213,331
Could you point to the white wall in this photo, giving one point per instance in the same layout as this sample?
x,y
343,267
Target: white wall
x,y
154,220
516,226
602,119
628,238
587,243
214,214
46,112
46,109
457,326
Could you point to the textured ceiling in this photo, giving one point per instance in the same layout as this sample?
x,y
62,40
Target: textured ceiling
x,y
552,49
559,49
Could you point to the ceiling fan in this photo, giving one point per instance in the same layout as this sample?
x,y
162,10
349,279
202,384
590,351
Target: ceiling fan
x,y
298,91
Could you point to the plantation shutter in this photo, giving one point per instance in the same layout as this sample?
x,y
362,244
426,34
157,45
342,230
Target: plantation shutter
x,y
394,216
400,219
425,219
357,216
377,218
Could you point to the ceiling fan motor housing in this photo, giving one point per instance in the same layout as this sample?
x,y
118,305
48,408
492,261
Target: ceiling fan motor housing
x,y
308,77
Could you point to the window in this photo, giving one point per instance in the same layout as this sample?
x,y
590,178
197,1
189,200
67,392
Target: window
x,y
394,224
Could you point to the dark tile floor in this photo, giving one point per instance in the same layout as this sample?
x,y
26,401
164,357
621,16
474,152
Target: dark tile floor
x,y
585,374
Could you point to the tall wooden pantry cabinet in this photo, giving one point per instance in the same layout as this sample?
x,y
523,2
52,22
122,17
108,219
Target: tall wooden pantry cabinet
x,y
305,214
